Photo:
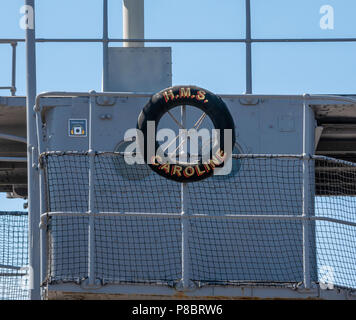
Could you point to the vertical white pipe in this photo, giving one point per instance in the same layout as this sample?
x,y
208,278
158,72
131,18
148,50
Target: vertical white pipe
x,y
185,212
133,17
43,202
306,199
185,231
13,77
248,48
91,201
105,46
33,176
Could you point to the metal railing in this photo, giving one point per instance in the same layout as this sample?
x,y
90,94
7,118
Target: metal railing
x,y
13,44
105,40
266,220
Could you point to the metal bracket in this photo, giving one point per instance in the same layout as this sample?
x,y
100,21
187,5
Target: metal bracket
x,y
87,286
181,288
249,101
34,158
105,101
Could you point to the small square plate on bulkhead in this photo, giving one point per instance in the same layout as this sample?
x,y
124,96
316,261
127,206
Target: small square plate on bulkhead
x,y
77,127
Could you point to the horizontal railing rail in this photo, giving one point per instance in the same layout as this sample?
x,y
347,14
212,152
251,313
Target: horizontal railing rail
x,y
193,216
301,97
14,42
178,40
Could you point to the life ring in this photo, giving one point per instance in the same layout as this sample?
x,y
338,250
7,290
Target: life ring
x,y
211,104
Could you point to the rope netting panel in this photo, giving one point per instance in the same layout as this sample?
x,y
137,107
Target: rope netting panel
x,y
14,256
245,227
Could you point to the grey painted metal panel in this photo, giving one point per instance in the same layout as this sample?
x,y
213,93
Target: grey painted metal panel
x,y
246,291
139,69
258,127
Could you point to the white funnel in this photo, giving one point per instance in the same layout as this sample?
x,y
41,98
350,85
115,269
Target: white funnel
x,y
133,22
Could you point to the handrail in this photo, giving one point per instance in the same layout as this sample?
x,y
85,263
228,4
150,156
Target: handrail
x,y
193,216
106,40
303,97
12,137
238,40
13,159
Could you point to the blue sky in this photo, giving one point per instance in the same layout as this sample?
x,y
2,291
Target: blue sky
x,y
277,68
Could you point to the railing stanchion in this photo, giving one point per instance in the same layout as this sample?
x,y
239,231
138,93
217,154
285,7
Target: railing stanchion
x,y
43,203
105,46
32,169
91,199
185,234
185,212
13,69
248,48
306,201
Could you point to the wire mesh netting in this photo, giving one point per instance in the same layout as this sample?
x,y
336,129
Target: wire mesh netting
x,y
245,227
336,199
13,256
